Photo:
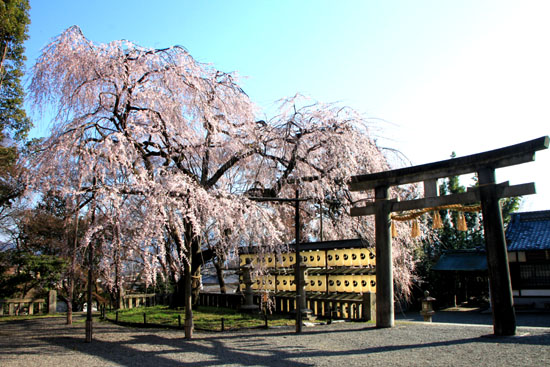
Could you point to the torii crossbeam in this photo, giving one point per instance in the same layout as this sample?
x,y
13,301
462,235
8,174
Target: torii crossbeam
x,y
488,193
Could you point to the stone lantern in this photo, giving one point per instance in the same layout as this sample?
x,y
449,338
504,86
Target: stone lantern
x,y
249,305
427,307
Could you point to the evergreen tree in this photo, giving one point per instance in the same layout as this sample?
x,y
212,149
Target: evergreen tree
x,y
23,272
449,237
14,17
52,231
14,123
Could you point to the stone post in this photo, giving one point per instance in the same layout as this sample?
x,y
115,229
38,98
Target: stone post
x,y
52,302
369,306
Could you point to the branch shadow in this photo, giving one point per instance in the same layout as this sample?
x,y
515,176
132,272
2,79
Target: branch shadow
x,y
171,352
251,349
269,348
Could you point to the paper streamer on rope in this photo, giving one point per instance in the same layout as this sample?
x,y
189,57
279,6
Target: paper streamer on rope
x,y
437,223
415,231
461,222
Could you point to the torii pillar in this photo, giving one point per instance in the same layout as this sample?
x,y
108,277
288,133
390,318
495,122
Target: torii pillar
x,y
504,316
488,194
384,267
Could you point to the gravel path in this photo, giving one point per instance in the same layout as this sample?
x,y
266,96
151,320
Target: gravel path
x,y
49,342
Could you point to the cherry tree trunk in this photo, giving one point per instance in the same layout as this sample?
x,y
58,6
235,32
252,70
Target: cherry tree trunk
x,y
178,297
69,302
181,288
195,283
219,273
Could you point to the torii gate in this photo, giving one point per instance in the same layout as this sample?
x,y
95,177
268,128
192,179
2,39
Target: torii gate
x,y
487,193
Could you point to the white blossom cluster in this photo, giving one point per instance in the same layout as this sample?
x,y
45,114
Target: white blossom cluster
x,y
167,150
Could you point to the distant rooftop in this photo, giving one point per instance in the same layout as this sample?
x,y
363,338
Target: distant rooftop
x,y
529,231
462,260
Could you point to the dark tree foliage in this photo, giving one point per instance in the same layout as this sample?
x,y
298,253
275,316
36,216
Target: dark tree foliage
x,y
42,230
14,123
449,237
50,229
22,272
14,17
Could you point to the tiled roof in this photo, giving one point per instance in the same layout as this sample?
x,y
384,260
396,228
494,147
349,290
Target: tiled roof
x,y
462,260
529,231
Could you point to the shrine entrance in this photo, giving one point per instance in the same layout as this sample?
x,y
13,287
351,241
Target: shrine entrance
x,y
488,193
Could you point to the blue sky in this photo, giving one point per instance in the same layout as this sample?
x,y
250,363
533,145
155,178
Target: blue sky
x,y
434,76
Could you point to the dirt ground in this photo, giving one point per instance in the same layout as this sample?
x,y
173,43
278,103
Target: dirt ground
x,y
49,342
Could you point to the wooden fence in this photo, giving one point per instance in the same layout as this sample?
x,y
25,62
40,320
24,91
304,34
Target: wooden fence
x,y
22,306
227,300
333,306
140,300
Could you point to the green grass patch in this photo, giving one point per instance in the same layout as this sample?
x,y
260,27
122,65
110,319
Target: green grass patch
x,y
204,318
27,317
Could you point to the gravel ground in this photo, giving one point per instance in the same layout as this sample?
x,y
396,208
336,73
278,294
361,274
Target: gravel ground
x,y
49,342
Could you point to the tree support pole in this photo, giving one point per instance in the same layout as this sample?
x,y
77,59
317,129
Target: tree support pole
x,y
300,295
384,268
504,318
89,320
299,277
188,323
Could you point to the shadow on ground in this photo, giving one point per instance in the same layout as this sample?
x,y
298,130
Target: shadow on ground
x,y
50,342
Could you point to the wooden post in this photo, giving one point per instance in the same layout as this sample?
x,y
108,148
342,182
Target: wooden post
x,y
121,300
297,271
384,273
504,318
188,322
89,320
